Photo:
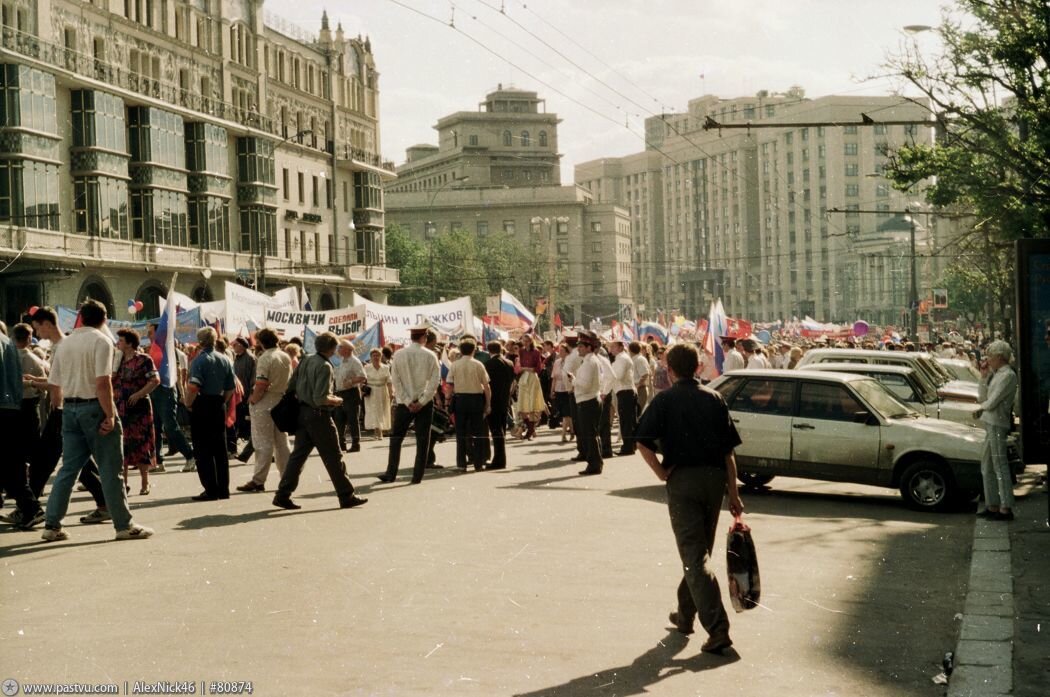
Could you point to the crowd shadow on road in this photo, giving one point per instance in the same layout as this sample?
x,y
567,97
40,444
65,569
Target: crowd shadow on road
x,y
33,543
219,520
656,664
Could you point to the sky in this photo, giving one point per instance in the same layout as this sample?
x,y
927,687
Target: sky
x,y
603,66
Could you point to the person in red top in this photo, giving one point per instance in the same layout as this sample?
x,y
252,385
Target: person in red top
x,y
531,404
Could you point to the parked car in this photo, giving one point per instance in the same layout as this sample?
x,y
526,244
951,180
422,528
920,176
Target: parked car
x,y
909,386
960,369
845,427
937,375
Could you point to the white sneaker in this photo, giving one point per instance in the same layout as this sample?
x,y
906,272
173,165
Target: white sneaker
x,y
190,466
51,535
135,532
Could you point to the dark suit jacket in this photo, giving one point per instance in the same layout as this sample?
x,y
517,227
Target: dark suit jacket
x,y
501,376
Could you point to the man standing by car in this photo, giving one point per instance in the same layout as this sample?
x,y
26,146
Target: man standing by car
x,y
697,437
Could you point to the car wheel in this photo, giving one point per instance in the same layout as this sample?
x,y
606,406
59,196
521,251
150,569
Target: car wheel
x,y
927,486
754,481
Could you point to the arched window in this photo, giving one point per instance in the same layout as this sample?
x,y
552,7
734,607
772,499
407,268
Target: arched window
x,y
543,139
507,139
524,139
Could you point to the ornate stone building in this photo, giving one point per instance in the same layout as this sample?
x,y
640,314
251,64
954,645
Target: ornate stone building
x,y
202,137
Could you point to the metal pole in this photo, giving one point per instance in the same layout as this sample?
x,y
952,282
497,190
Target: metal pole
x,y
914,284
550,275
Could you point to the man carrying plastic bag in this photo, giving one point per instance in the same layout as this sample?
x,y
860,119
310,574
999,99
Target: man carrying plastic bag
x,y
691,426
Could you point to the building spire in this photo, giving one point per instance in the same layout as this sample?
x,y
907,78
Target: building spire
x,y
324,20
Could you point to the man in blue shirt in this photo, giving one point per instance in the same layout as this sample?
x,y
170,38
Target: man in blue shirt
x,y
15,478
210,389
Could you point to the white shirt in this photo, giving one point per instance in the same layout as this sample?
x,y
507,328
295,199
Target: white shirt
x,y
415,373
558,376
641,370
623,370
607,381
588,379
733,361
572,361
349,369
996,395
85,355
757,360
467,375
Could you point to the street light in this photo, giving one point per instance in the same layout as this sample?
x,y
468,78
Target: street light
x,y
454,181
914,302
549,222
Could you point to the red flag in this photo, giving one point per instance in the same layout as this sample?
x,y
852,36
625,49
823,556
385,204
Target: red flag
x,y
557,319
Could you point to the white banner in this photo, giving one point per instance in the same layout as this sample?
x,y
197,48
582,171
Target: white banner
x,y
452,318
344,323
246,309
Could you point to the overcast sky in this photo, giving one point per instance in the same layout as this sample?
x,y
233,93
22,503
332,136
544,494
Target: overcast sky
x,y
655,55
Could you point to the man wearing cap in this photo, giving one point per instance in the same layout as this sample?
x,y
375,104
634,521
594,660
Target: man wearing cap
x,y
626,397
586,388
472,401
733,359
415,375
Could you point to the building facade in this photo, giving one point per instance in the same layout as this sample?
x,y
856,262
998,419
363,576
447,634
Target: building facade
x,y
203,138
744,214
497,170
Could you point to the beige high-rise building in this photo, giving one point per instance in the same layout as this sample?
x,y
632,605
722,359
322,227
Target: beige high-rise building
x,y
497,170
203,137
741,214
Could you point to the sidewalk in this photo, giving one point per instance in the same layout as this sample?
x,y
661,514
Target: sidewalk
x,y
1004,642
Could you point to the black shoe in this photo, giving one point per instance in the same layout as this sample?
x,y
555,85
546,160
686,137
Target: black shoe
x,y
352,502
416,481
204,496
588,472
251,486
990,515
680,624
435,466
625,453
579,458
244,456
385,479
285,502
495,467
608,456
1001,515
717,643
355,448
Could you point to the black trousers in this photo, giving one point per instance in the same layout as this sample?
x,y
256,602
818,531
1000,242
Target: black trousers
x,y
497,422
316,430
43,463
586,421
605,426
15,469
471,433
627,406
348,414
574,413
208,427
403,419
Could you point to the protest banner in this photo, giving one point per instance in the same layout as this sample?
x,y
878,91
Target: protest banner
x,y
344,323
452,318
246,308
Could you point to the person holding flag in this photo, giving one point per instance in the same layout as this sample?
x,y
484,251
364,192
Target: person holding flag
x,y
165,398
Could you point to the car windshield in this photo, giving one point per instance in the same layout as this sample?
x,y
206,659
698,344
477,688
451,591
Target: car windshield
x,y
935,369
881,400
961,370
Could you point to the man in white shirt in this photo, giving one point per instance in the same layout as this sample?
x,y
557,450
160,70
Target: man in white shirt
x,y
586,388
82,373
642,373
626,395
754,357
415,375
349,377
472,399
732,360
607,386
569,367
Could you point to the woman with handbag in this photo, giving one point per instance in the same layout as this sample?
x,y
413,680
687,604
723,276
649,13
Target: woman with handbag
x,y
378,392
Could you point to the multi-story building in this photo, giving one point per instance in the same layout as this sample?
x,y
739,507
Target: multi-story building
x,y
742,214
497,170
202,138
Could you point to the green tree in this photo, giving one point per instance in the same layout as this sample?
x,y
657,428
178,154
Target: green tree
x,y
409,256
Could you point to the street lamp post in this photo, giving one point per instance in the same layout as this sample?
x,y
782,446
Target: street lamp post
x,y
549,222
454,181
914,300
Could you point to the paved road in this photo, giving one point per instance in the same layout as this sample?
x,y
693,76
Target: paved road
x,y
531,581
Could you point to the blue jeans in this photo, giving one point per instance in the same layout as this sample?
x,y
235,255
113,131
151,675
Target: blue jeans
x,y
165,402
81,441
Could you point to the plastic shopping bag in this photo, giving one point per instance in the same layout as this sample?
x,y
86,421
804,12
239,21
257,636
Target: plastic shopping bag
x,y
745,588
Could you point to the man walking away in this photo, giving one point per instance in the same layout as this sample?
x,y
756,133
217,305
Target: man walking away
x,y
82,373
697,437
473,399
312,385
211,387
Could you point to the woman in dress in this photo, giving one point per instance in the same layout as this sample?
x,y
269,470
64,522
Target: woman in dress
x,y
133,380
531,404
380,394
561,392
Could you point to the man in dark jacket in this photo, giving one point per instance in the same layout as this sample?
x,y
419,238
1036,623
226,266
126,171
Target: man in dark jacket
x,y
501,377
696,437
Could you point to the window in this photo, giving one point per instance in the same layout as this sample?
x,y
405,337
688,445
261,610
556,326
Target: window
x,y
851,149
508,227
314,199
368,191
524,139
830,402
596,247
563,247
285,186
563,227
472,140
508,139
852,170
880,129
483,227
852,190
456,226
850,130
543,139
772,397
429,229
596,267
596,226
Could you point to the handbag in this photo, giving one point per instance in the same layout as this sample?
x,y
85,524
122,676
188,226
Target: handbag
x,y
285,413
366,390
745,587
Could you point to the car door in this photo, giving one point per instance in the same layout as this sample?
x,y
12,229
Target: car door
x,y
761,410
826,440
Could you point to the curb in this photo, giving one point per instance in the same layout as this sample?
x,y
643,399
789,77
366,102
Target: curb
x,y
984,654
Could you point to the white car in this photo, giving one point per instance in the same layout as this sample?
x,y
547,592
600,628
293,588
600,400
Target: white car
x,y
923,363
845,427
960,369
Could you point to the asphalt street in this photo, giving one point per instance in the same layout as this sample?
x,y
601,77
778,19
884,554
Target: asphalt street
x,y
530,581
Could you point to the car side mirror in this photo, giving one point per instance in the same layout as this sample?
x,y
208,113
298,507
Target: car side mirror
x,y
864,417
